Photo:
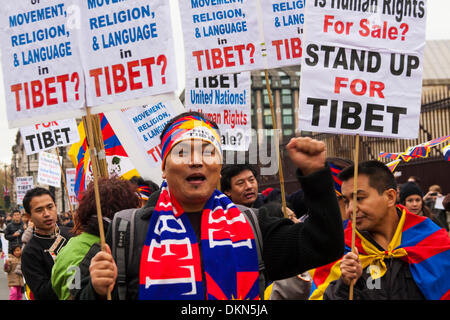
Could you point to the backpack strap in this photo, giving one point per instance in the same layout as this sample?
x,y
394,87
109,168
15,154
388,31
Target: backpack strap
x,y
252,219
119,238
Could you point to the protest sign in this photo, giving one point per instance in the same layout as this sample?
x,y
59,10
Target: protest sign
x,y
23,184
47,135
225,99
127,50
139,130
362,67
49,172
220,36
41,66
70,179
283,28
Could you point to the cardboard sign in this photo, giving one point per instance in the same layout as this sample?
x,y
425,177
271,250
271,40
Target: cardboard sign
x,y
41,65
225,99
127,50
23,184
362,68
49,171
283,29
48,135
220,36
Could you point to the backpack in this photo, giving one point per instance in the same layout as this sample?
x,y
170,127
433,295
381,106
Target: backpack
x,y
124,232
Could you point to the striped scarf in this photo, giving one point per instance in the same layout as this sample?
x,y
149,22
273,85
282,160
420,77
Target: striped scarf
x,y
171,266
417,240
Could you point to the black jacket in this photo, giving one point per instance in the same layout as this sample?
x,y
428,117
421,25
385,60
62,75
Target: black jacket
x,y
294,201
37,264
11,228
396,284
289,249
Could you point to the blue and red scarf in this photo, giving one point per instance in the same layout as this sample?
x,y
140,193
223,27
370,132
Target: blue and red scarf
x,y
170,264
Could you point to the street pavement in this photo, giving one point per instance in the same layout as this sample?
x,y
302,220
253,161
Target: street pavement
x,y
4,290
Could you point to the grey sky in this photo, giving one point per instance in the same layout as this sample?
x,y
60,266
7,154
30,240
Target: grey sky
x,y
438,27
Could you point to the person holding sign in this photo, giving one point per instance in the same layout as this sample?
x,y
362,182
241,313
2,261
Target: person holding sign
x,y
399,255
212,245
48,239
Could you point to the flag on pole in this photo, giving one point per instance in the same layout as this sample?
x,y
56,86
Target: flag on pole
x,y
116,157
80,157
119,163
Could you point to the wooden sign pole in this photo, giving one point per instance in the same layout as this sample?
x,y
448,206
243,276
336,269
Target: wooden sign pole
x,y
275,133
93,155
355,191
64,181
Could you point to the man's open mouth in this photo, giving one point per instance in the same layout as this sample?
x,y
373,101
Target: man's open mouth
x,y
196,178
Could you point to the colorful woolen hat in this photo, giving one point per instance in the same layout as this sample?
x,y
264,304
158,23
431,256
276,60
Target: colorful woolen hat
x,y
143,192
335,170
186,128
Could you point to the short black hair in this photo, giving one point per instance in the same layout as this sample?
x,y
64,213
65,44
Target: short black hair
x,y
184,114
232,170
35,192
380,177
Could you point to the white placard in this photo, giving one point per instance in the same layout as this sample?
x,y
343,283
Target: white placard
x,y
48,135
146,124
23,184
283,28
220,36
362,68
127,50
225,99
139,128
49,171
42,70
70,180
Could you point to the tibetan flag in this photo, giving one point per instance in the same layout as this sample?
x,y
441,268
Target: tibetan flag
x,y
446,152
436,141
116,157
417,241
392,165
79,154
420,151
392,156
395,156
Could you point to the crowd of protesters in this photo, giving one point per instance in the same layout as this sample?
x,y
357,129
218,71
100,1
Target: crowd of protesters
x,y
153,234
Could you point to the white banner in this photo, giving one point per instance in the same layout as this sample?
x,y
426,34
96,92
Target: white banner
x,y
146,124
139,128
48,135
23,184
225,99
220,36
283,28
362,68
49,171
127,50
41,66
70,180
